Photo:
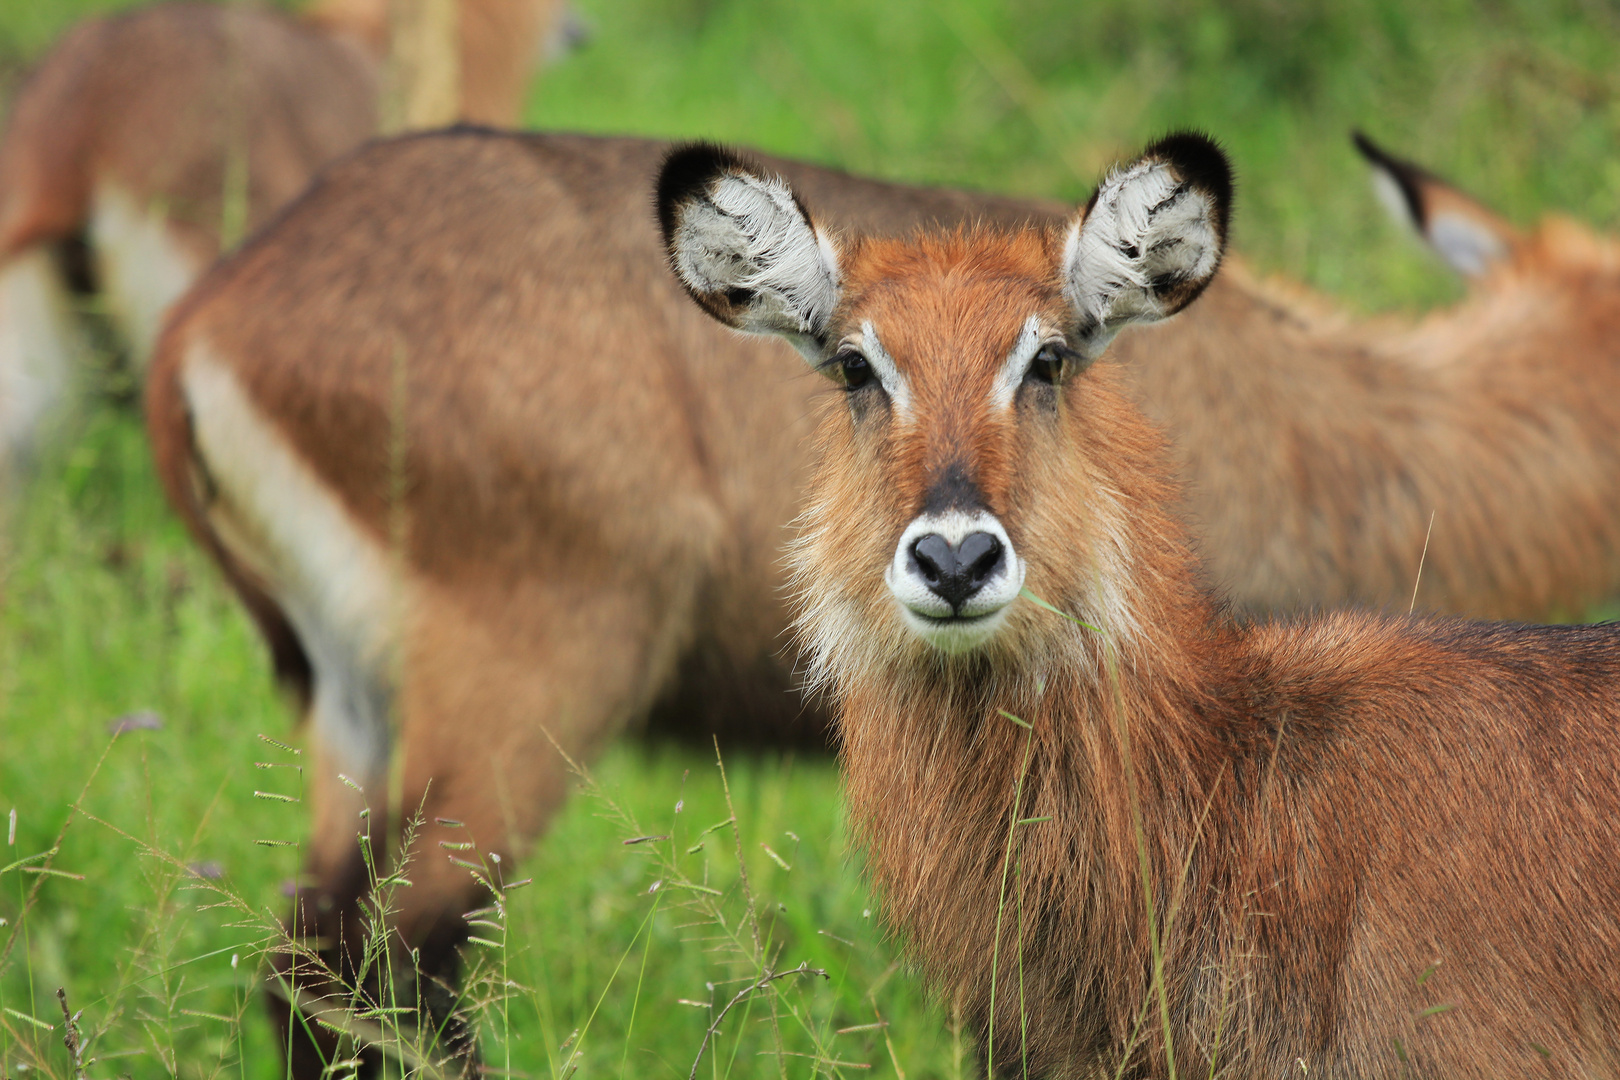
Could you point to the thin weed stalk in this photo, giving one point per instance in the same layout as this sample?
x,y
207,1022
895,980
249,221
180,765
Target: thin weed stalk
x,y
635,1000
743,941
1013,823
1159,989
41,866
1144,862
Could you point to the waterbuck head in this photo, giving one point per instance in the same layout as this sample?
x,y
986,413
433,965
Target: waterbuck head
x,y
976,449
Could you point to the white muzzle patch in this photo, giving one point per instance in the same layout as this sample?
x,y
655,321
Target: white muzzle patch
x,y
927,605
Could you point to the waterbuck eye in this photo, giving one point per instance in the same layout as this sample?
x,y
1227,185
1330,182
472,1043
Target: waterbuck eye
x,y
855,369
1047,367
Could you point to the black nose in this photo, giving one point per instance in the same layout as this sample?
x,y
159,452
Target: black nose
x,y
954,574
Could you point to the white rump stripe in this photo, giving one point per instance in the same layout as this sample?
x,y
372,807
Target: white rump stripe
x,y
340,588
750,234
144,269
1140,229
40,347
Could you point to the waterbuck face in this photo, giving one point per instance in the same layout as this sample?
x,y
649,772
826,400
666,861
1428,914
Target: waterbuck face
x,y
968,455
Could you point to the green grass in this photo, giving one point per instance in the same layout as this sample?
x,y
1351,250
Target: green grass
x,y
108,609
1516,101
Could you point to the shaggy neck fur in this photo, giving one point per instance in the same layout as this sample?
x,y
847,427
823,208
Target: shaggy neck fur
x,y
933,766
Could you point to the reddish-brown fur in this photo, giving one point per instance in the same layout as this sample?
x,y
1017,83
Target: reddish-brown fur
x,y
498,43
1373,846
567,587
147,141
582,471
1317,447
147,100
156,101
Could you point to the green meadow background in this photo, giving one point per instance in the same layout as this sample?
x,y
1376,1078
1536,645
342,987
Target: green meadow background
x,y
615,959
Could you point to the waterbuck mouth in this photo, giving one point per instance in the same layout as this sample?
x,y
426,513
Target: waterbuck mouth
x,y
954,575
955,633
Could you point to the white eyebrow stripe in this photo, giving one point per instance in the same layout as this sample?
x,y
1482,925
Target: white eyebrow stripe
x,y
1016,366
895,383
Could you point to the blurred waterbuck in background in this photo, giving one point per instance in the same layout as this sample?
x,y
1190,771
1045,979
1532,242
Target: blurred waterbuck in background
x,y
480,472
146,142
1145,838
1319,449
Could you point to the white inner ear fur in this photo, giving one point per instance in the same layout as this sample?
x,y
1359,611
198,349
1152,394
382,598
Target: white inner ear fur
x,y
1140,229
1016,366
750,234
1393,198
1468,246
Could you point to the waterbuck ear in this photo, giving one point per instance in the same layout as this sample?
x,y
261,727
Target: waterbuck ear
x,y
1470,238
744,246
1150,240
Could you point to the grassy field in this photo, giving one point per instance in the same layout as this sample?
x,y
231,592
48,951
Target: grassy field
x,y
162,893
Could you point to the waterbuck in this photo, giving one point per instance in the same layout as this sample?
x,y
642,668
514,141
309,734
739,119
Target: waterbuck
x,y
1132,835
146,141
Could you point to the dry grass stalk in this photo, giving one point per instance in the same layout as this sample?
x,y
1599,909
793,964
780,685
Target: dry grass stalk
x,y
423,83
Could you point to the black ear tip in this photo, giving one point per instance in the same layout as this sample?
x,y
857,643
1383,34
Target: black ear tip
x,y
687,171
1410,178
1366,147
1376,155
1199,160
